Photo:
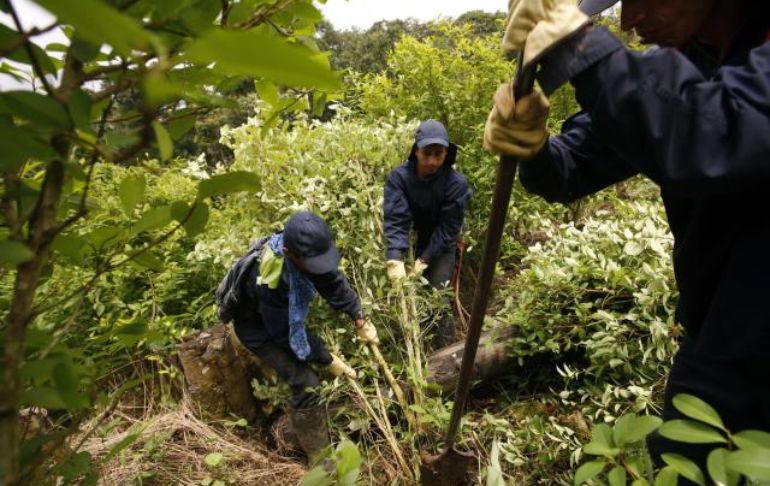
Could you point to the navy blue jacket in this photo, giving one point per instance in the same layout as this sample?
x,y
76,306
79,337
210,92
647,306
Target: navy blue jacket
x,y
435,206
698,128
262,314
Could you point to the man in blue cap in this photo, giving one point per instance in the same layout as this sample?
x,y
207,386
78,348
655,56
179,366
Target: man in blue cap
x,y
426,193
267,295
693,116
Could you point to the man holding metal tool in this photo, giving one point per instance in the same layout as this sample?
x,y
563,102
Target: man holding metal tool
x,y
694,117
427,193
267,295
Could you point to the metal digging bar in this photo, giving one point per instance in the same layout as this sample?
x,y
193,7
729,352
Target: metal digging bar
x,y
451,466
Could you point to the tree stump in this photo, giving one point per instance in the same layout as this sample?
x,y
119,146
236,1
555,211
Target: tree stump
x,y
218,370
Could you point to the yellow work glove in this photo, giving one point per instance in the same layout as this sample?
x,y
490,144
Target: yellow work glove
x,y
338,367
367,333
395,270
538,25
516,128
419,268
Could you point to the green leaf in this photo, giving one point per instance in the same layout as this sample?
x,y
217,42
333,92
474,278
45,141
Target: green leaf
x,y
587,471
152,219
697,409
691,432
494,471
72,247
748,439
267,91
43,397
99,22
717,468
685,467
165,145
149,261
602,434
117,448
80,110
195,224
602,443
319,103
180,125
130,334
667,477
262,53
228,183
36,108
159,89
9,36
754,463
18,145
14,253
214,459
641,428
316,477
105,236
617,476
348,460
597,449
68,386
117,140
131,192
640,482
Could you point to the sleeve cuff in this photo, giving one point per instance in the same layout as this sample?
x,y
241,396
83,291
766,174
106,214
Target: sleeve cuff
x,y
394,254
574,56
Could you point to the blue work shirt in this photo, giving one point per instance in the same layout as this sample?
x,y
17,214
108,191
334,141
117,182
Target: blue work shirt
x,y
700,129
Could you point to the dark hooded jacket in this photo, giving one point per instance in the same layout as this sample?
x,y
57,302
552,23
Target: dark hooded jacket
x,y
435,206
700,129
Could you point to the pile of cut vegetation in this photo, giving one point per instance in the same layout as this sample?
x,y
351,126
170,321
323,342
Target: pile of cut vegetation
x,y
177,447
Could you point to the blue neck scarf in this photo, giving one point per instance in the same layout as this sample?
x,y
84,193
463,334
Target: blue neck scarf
x,y
301,293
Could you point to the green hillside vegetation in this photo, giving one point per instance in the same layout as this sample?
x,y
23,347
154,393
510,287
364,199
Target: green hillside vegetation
x,y
160,178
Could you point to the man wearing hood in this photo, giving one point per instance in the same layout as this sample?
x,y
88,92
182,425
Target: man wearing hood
x,y
426,193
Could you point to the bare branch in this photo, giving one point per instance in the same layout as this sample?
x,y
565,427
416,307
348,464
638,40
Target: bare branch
x,y
31,53
24,37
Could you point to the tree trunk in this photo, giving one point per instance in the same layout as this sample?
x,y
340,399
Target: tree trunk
x,y
219,370
492,360
41,224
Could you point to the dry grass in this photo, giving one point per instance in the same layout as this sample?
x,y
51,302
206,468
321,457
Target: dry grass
x,y
171,448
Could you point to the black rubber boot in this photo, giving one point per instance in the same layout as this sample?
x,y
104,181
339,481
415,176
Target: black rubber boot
x,y
311,429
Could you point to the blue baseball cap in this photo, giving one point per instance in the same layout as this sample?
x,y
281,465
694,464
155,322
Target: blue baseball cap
x,y
309,238
593,7
431,132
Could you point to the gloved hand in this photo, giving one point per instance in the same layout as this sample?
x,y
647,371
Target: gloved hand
x,y
516,128
537,25
395,270
419,268
367,333
338,367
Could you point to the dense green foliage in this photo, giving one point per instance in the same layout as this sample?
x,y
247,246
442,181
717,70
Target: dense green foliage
x,y
587,287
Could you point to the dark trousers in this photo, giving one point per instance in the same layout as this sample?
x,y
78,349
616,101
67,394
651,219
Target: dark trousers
x,y
738,390
439,276
300,375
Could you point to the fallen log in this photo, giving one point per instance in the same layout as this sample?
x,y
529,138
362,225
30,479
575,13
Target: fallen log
x,y
493,360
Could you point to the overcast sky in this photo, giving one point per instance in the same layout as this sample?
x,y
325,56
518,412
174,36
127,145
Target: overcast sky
x,y
345,14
